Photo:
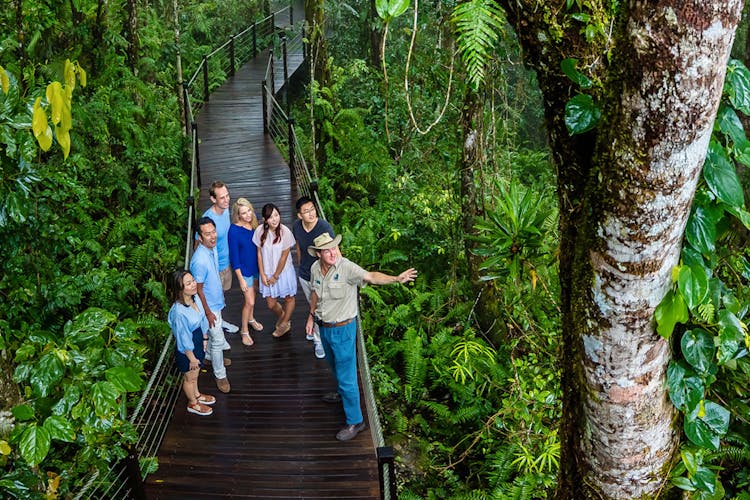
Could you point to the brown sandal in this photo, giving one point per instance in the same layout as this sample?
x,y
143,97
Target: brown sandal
x,y
205,399
282,330
200,409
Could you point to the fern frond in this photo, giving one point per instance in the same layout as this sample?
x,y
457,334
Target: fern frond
x,y
415,363
732,453
440,410
478,26
706,312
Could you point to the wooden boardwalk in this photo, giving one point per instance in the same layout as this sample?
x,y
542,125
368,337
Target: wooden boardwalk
x,y
272,436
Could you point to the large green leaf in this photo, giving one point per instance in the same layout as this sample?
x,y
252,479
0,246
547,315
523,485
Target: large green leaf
x,y
569,67
60,428
478,26
698,348
22,412
47,374
730,124
701,228
581,114
686,388
706,424
669,312
104,395
693,284
86,328
741,151
34,444
124,378
731,336
742,215
721,176
388,9
66,403
705,479
737,85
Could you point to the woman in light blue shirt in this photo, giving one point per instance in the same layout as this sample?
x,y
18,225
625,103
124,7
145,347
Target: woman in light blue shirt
x,y
189,326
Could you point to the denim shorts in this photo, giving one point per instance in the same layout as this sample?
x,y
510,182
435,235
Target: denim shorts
x,y
250,280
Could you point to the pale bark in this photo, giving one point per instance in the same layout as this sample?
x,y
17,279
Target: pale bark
x,y
625,191
670,71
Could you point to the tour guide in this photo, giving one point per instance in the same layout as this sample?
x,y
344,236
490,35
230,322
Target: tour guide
x,y
333,305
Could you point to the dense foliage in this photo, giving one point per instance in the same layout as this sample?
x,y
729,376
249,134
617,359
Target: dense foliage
x,y
91,205
472,412
469,413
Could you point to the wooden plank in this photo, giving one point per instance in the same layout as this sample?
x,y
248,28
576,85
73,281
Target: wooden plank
x,y
272,436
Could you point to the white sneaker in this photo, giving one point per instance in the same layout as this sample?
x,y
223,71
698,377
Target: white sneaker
x,y
320,353
229,327
309,336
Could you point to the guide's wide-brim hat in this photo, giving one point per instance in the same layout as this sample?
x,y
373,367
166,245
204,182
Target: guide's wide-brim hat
x,y
323,242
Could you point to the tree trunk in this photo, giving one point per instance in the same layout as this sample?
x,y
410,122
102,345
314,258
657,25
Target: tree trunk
x,y
376,37
178,63
624,205
471,159
320,70
472,118
131,35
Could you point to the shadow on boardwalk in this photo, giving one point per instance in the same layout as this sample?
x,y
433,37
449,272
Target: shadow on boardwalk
x,y
272,436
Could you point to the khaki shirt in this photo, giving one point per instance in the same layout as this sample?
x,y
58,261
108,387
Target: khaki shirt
x,y
337,290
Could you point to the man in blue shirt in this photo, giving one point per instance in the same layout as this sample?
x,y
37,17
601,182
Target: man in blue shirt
x,y
204,266
219,213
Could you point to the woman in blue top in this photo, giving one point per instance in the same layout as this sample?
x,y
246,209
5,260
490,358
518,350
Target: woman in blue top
x,y
189,326
243,256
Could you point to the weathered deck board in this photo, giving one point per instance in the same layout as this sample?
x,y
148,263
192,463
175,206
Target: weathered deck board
x,y
272,436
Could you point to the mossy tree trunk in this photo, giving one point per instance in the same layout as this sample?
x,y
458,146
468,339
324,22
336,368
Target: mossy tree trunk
x,y
625,191
131,35
320,69
472,159
375,26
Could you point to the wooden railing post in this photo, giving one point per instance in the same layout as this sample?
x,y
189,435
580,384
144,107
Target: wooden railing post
x,y
133,472
231,55
205,79
290,132
194,127
291,13
255,38
387,457
263,87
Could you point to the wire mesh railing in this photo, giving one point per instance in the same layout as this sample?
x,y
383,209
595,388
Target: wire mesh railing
x,y
156,405
222,62
280,127
153,411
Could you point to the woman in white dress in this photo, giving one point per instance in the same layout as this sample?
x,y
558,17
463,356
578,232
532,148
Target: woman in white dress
x,y
278,281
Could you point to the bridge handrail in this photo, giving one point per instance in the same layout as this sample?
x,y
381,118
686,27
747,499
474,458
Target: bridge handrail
x,y
280,126
155,406
125,480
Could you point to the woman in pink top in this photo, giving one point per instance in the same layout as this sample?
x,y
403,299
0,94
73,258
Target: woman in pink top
x,y
277,278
